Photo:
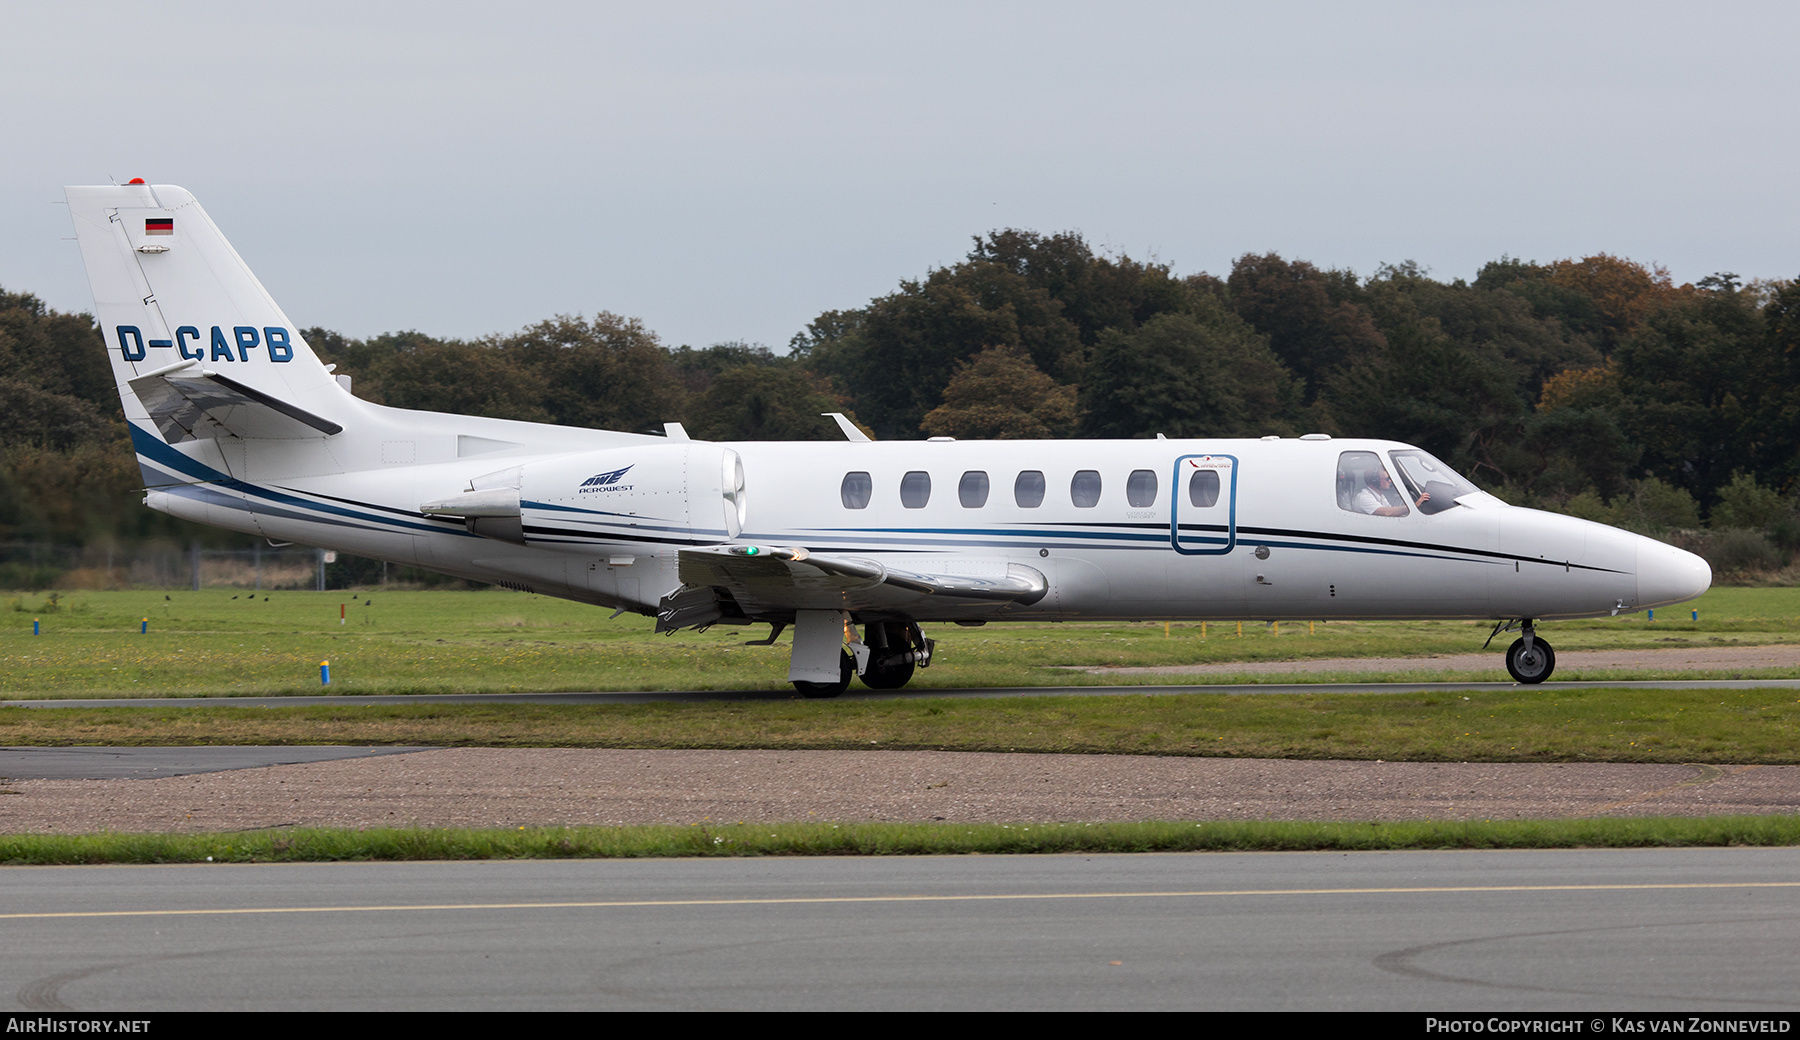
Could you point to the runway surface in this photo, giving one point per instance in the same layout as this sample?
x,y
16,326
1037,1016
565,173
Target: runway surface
x,y
1580,931
858,692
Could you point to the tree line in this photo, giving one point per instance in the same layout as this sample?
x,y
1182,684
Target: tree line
x,y
1595,386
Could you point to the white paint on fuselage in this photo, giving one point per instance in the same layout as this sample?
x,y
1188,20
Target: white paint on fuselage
x,y
1480,559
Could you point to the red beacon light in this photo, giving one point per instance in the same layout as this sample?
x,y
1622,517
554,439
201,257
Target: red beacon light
x,y
135,180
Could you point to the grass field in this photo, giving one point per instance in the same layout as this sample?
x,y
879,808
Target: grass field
x,y
1512,724
210,643
888,839
225,642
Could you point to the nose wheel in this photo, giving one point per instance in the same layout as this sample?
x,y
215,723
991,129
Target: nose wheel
x,y
1530,659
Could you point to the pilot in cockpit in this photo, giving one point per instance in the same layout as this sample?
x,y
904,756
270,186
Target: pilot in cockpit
x,y
1378,496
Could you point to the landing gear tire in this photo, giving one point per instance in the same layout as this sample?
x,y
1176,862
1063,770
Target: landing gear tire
x,y
1532,665
846,669
888,677
894,651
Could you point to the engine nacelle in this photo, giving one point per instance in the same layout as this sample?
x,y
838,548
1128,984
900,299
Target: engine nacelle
x,y
661,492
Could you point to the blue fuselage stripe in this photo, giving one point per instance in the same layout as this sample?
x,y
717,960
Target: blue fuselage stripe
x,y
152,448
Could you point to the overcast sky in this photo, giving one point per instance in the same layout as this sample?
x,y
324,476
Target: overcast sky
x,y
727,172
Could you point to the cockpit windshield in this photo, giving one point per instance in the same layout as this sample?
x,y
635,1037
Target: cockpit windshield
x,y
1435,486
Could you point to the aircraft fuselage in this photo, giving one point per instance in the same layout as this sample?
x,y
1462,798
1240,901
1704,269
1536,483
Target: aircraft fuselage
x,y
237,423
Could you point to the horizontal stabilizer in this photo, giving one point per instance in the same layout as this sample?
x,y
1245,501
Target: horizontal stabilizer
x,y
188,400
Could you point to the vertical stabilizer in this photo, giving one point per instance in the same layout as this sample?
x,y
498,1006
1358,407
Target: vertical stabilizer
x,y
174,299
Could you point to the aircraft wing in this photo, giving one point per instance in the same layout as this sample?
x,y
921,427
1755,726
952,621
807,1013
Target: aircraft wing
x,y
773,580
188,401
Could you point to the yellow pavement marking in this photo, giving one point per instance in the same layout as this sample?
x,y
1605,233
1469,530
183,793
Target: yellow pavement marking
x,y
826,900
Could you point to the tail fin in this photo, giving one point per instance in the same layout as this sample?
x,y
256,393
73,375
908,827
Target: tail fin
x,y
198,347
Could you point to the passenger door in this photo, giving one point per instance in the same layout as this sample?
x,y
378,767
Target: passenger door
x,y
1203,505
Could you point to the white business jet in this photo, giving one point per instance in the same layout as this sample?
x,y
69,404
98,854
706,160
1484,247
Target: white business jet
x,y
853,544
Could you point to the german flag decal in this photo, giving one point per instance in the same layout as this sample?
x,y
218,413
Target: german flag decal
x,y
159,225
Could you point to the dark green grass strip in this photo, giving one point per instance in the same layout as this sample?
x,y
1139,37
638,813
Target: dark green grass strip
x,y
1508,724
889,839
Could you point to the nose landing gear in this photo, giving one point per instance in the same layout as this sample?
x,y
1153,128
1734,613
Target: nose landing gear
x,y
1529,660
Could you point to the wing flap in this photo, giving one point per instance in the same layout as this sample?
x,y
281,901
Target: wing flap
x,y
795,579
188,401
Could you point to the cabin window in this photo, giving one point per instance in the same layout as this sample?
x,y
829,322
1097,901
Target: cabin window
x,y
1140,488
915,489
1364,486
1084,490
973,489
1203,488
1028,490
855,490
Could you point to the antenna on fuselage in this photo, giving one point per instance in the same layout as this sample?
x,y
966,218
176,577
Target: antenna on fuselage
x,y
851,433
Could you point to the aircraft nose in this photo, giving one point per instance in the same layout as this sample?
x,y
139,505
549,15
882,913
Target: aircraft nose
x,y
1669,575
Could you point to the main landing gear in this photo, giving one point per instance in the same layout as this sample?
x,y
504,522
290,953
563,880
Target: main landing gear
x,y
895,649
846,668
1530,660
827,653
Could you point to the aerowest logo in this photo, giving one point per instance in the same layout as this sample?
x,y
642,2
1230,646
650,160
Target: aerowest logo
x,y
221,346
605,482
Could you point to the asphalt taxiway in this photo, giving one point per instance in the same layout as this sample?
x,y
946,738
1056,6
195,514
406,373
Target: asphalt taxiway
x,y
1671,930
